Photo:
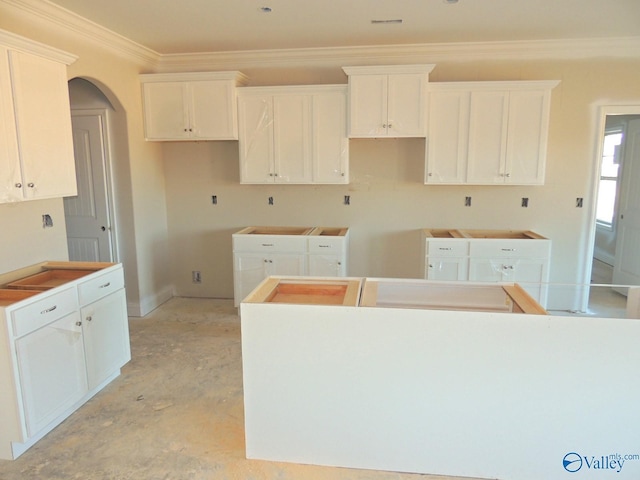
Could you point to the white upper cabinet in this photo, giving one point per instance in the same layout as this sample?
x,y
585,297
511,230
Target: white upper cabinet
x,y
388,101
488,133
191,106
330,147
36,144
293,135
447,142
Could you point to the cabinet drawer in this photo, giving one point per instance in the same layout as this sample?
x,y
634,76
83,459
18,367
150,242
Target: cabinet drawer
x,y
329,245
43,311
509,248
447,248
270,243
92,289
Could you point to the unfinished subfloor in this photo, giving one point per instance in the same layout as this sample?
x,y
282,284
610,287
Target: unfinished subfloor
x,y
176,412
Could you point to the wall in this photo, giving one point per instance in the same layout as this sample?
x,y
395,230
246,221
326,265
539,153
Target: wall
x,y
389,202
24,240
115,69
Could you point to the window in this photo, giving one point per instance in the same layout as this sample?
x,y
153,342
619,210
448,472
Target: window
x,y
609,177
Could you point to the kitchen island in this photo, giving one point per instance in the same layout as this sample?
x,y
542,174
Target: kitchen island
x,y
459,382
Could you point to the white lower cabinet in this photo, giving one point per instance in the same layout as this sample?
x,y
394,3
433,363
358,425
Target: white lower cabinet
x,y
64,336
259,252
531,273
251,268
524,258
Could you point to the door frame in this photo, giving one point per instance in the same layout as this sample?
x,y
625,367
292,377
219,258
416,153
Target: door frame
x,y
602,112
104,115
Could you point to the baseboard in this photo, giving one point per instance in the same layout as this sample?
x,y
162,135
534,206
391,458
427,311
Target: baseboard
x,y
603,256
150,303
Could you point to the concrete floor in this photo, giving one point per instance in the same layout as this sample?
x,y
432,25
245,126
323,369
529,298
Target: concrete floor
x,y
176,412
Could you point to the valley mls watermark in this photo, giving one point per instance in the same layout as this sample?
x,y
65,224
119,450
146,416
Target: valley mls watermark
x,y
574,462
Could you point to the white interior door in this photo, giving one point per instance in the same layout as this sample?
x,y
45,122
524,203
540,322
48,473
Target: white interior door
x,y
87,214
626,269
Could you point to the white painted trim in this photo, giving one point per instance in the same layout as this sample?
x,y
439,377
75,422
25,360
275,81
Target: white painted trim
x,y
627,47
286,89
388,69
93,32
621,47
17,42
238,77
494,85
149,303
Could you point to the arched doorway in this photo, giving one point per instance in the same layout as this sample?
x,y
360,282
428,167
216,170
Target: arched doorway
x,y
91,216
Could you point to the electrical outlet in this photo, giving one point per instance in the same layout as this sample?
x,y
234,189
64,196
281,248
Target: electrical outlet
x,y
47,221
196,277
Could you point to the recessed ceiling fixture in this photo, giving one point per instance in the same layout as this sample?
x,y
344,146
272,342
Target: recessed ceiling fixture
x,y
265,9
450,1
397,20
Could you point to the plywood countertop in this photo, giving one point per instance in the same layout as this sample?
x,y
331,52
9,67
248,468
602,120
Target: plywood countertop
x,y
487,234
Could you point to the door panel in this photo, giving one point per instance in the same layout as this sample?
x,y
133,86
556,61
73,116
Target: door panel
x,y
52,371
87,214
626,270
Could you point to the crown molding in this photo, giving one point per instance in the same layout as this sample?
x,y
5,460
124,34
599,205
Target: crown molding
x,y
69,21
21,43
626,47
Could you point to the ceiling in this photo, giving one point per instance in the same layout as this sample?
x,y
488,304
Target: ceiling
x,y
197,26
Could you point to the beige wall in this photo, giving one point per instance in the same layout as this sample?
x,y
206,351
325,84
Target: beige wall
x,y
173,228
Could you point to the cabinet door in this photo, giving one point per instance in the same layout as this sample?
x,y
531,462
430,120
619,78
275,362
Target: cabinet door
x,y
330,142
286,264
327,266
212,110
487,270
447,140
166,114
249,269
10,175
446,268
51,365
487,137
255,119
367,105
106,337
527,137
532,275
43,116
292,138
406,105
